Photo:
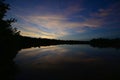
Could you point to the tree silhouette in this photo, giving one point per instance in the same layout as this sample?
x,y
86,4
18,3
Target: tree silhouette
x,y
6,29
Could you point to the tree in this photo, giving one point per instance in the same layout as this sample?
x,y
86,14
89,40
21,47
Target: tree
x,y
6,29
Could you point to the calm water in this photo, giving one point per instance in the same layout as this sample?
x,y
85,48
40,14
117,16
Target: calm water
x,y
68,62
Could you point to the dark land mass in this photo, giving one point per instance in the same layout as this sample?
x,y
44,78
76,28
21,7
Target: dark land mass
x,y
27,42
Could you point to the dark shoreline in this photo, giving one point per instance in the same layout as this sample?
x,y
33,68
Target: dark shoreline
x,y
21,42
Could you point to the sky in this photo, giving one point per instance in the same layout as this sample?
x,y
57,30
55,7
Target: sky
x,y
66,19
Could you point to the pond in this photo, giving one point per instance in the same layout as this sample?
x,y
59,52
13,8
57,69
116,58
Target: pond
x,y
68,62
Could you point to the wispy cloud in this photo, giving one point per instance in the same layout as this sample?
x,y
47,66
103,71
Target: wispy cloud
x,y
59,25
34,32
108,15
47,23
102,13
73,9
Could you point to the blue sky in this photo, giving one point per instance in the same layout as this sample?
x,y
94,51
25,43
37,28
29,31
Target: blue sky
x,y
67,19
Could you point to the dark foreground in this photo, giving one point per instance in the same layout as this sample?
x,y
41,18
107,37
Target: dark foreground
x,y
87,69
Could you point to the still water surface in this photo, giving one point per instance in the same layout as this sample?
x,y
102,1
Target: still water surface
x,y
68,62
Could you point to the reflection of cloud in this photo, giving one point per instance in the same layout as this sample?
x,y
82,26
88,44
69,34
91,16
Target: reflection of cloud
x,y
43,50
50,56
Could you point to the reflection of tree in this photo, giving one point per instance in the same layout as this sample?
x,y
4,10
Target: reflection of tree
x,y
8,68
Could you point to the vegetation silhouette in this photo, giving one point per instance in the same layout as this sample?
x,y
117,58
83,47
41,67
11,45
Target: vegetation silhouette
x,y
105,43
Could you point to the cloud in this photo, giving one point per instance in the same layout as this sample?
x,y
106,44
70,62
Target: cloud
x,y
109,15
32,34
72,9
102,13
35,32
59,25
55,24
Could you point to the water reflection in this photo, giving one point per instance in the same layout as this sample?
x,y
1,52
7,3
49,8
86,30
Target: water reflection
x,y
62,62
8,68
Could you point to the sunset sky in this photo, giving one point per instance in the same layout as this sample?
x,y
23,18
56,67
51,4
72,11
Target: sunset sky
x,y
66,19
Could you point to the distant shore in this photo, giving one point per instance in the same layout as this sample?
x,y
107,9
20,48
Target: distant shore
x,y
24,42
